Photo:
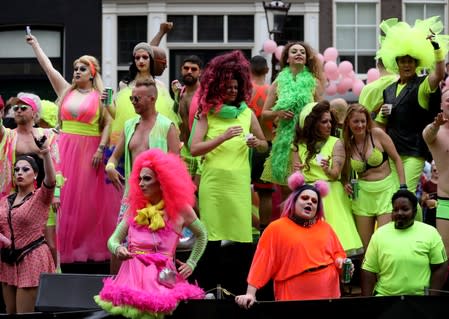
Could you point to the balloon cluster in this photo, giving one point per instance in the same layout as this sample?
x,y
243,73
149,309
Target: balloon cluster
x,y
340,78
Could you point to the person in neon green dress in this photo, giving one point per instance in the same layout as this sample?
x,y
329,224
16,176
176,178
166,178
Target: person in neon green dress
x,y
224,132
320,156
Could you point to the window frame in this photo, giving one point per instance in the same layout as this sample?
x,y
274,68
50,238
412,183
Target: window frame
x,y
356,52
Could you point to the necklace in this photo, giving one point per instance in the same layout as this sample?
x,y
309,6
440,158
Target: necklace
x,y
362,152
84,91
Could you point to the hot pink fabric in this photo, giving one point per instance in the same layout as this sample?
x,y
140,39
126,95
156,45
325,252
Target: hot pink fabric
x,y
89,206
136,284
86,110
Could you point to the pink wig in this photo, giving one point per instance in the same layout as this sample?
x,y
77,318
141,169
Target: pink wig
x,y
178,190
229,66
297,184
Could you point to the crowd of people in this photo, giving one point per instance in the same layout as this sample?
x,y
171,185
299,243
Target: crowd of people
x,y
294,183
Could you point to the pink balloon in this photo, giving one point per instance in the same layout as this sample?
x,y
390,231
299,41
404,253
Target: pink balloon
x,y
278,52
351,74
330,68
330,54
372,75
333,76
341,89
346,83
269,46
320,57
331,89
345,68
357,87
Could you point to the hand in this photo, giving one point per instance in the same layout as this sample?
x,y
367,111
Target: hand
x,y
104,98
97,158
165,27
116,178
348,188
298,166
285,115
31,40
122,253
440,120
56,203
325,165
339,264
175,86
431,203
184,269
4,241
252,141
232,131
385,110
245,301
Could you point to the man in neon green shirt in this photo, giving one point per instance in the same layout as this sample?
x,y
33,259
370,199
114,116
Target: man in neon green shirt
x,y
404,257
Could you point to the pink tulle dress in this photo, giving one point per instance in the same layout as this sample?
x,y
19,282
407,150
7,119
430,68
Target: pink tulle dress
x,y
136,291
89,206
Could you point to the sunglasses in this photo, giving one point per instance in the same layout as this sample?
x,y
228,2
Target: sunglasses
x,y
23,108
24,169
307,197
138,57
192,68
135,98
80,68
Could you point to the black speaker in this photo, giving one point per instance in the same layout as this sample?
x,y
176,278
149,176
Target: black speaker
x,y
68,292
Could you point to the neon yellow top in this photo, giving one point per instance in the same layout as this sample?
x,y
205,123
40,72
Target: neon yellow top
x,y
401,258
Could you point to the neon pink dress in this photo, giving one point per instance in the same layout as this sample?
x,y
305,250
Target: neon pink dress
x,y
89,206
136,291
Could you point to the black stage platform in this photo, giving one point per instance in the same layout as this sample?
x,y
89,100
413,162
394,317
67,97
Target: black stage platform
x,y
409,307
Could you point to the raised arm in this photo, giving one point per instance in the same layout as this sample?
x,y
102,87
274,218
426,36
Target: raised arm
x,y
430,131
58,82
438,73
164,28
49,169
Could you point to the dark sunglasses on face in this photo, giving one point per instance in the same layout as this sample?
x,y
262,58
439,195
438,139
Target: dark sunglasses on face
x,y
23,108
24,169
307,197
80,68
138,57
135,98
192,68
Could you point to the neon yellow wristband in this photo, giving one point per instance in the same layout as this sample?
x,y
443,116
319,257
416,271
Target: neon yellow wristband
x,y
109,166
439,55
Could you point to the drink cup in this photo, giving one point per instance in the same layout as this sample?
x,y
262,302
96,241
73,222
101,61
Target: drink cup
x,y
387,109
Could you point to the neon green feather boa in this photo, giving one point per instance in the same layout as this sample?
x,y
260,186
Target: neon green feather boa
x,y
293,95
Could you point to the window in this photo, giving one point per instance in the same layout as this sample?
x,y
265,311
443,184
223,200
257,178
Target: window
x,y
240,28
131,30
19,68
419,10
183,32
293,30
211,28
356,33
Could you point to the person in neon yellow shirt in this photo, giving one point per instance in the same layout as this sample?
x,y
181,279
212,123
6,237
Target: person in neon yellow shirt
x,y
404,257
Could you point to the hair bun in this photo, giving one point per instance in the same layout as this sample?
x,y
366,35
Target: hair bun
x,y
295,180
322,187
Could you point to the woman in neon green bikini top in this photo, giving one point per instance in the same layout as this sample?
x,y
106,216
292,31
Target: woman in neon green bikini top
x,y
366,174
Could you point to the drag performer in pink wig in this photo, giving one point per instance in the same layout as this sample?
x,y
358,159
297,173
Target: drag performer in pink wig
x,y
148,284
300,252
224,132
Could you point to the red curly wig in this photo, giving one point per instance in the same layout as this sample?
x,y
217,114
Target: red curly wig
x,y
225,67
178,190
